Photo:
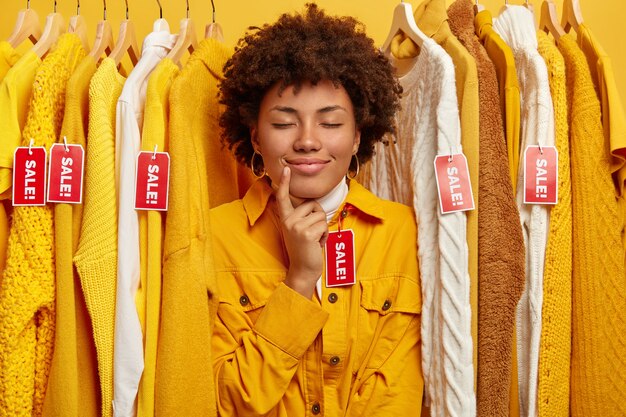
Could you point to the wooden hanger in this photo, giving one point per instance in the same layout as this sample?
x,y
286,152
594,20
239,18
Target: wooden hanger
x,y
478,7
55,27
214,30
26,27
572,16
548,22
78,25
530,7
104,38
187,39
126,42
403,21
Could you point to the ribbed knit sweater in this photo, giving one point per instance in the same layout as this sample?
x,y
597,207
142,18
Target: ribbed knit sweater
x,y
203,174
96,256
155,132
27,294
556,317
598,368
73,387
403,171
500,240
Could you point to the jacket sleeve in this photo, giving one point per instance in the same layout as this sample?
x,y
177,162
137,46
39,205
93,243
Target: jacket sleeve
x,y
255,362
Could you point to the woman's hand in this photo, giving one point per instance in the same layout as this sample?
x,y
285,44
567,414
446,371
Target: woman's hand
x,y
304,231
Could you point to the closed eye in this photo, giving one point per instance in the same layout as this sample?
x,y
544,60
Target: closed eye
x,y
332,125
282,125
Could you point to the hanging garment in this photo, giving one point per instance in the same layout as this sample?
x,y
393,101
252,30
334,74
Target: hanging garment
x,y
598,369
327,364
501,259
432,19
8,58
27,294
73,386
502,57
155,132
128,352
556,316
96,255
403,171
203,174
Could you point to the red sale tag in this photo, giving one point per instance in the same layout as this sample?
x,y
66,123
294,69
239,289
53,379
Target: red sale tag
x,y
152,182
541,174
65,177
340,266
453,183
29,176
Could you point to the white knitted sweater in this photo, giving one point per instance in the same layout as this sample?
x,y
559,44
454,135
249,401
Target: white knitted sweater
x,y
516,26
403,171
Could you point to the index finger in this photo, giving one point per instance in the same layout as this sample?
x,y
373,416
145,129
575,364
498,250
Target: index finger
x,y
285,208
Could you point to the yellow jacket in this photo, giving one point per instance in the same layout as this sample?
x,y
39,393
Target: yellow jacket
x,y
27,294
73,387
155,132
598,366
355,352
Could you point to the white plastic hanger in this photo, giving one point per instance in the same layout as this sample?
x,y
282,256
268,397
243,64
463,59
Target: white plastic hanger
x,y
26,27
214,30
104,37
403,21
572,16
548,22
78,25
126,42
54,27
187,39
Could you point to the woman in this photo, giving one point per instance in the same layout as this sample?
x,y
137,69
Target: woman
x,y
304,326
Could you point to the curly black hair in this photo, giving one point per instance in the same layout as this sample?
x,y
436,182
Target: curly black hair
x,y
308,47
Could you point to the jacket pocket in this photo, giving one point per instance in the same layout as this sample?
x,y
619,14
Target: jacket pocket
x,y
388,306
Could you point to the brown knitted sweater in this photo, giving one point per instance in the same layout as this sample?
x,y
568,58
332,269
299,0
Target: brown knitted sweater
x,y
500,240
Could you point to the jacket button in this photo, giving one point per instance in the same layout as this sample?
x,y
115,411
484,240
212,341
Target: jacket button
x,y
332,297
334,360
386,305
244,300
315,408
344,213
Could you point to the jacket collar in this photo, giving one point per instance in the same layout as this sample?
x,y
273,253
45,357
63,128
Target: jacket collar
x,y
256,200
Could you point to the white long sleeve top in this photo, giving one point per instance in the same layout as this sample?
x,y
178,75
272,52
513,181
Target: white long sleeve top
x,y
516,26
128,361
403,171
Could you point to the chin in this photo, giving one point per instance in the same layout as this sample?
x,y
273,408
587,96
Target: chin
x,y
311,188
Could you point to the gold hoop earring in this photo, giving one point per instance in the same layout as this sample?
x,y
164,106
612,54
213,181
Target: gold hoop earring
x,y
257,174
354,175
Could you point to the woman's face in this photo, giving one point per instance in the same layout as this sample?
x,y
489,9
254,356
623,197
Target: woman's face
x,y
313,132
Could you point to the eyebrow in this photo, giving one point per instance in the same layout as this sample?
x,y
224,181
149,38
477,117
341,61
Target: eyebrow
x,y
291,110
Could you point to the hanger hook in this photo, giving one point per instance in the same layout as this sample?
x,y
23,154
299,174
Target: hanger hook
x,y
28,4
105,9
160,9
187,9
126,9
77,7
55,6
213,6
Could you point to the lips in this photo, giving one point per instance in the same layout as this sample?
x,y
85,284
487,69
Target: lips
x,y
307,166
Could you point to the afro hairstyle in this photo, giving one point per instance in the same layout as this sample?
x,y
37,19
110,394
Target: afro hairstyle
x,y
308,47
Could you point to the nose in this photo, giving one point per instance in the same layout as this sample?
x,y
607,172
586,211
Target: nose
x,y
307,140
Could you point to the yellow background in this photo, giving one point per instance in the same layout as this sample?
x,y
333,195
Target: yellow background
x,y
605,18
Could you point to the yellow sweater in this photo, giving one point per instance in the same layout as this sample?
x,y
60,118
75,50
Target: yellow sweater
x,y
202,174
96,256
598,368
556,323
155,132
8,58
27,295
73,388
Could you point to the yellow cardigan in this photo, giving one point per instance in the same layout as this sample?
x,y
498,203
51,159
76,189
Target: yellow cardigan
x,y
556,329
598,368
27,294
155,132
96,256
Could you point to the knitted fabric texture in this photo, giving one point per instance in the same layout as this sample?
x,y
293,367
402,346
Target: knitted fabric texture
x,y
96,256
73,387
500,240
27,294
403,170
556,321
203,174
598,367
517,28
155,133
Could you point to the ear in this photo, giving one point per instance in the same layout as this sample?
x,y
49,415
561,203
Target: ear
x,y
254,137
357,141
